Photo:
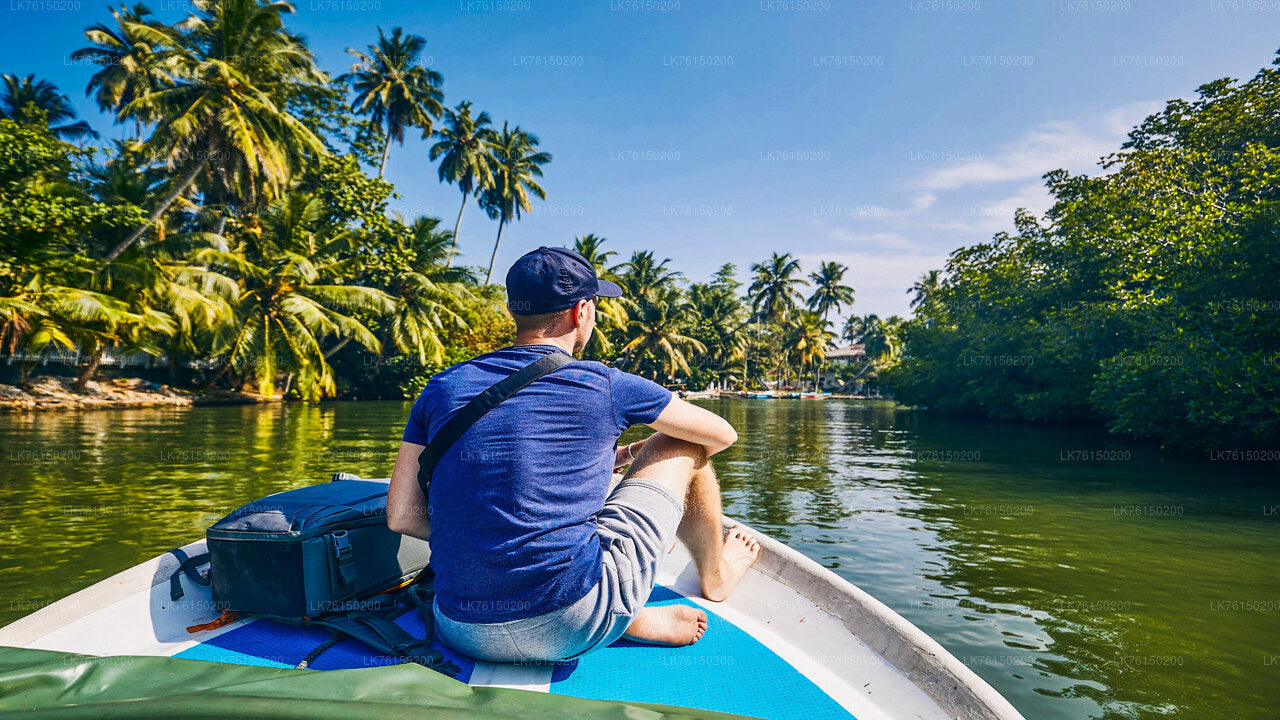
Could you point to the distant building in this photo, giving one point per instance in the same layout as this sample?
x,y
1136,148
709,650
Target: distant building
x,y
837,359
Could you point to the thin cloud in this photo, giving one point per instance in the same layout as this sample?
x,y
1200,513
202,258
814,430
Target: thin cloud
x,y
1071,145
924,201
961,204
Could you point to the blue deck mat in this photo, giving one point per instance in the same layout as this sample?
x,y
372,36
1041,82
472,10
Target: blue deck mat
x,y
277,644
727,670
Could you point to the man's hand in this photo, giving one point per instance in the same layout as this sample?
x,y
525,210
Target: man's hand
x,y
627,453
406,507
689,422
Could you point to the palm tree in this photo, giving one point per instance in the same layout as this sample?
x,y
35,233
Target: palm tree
x,y
28,101
590,246
611,313
429,295
829,293
128,60
125,178
891,328
41,314
234,67
873,333
721,314
658,334
925,286
855,326
809,338
290,266
394,89
773,291
643,276
464,154
517,164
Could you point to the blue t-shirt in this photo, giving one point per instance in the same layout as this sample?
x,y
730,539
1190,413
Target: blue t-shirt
x,y
513,503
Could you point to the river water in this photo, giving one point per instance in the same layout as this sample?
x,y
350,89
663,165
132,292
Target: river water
x,y
1082,576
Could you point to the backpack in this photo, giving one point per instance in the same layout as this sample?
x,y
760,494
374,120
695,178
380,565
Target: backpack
x,y
324,556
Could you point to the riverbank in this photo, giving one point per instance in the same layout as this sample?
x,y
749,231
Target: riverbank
x,y
49,392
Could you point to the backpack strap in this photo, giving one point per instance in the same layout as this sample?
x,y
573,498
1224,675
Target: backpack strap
x,y
188,566
476,409
380,632
375,626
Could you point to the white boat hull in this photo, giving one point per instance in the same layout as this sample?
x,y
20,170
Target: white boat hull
x,y
867,659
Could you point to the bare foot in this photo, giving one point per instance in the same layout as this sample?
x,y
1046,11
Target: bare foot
x,y
740,552
668,625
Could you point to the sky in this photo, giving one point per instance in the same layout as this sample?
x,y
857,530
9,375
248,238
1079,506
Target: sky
x,y
881,135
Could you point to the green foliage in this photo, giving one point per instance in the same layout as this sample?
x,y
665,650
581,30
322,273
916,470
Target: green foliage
x,y
485,327
351,198
1146,299
45,211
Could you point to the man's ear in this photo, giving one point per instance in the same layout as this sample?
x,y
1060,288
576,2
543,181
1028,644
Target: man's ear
x,y
580,312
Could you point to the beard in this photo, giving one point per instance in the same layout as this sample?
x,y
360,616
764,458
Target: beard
x,y
580,340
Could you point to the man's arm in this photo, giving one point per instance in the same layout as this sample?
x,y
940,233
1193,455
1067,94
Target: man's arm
x,y
406,507
686,421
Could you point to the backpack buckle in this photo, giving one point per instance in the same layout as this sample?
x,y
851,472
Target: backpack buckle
x,y
345,556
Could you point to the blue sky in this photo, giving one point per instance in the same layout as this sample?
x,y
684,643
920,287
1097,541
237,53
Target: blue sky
x,y
879,134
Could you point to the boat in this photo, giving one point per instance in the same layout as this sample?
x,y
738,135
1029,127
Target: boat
x,y
794,641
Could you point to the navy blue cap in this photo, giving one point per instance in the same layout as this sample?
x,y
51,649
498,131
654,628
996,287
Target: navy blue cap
x,y
550,279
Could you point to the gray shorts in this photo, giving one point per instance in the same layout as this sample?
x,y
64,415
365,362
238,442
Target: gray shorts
x,y
636,527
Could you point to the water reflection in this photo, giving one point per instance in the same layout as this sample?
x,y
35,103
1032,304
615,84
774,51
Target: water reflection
x,y
1133,586
1039,570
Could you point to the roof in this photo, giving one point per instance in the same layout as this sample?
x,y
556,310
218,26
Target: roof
x,y
851,351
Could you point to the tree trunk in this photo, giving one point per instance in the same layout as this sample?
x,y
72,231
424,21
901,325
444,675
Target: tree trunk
x,y
453,246
137,129
386,150
158,211
494,256
341,344
88,372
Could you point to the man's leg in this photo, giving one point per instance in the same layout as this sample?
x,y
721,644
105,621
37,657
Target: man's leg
x,y
721,561
683,468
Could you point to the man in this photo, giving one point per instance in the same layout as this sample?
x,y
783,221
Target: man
x,y
532,560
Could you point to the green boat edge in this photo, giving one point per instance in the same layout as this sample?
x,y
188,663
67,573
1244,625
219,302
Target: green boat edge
x,y
67,686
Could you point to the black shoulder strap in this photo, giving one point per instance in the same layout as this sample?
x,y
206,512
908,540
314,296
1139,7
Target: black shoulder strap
x,y
374,624
476,409
190,566
382,634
